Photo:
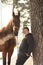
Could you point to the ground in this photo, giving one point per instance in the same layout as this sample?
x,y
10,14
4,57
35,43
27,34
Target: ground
x,y
13,60
14,57
29,61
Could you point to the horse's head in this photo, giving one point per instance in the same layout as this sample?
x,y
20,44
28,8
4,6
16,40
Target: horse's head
x,y
16,23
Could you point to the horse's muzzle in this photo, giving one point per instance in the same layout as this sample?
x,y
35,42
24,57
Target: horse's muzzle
x,y
15,33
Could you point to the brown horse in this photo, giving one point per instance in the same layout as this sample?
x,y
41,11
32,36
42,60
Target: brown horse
x,y
7,37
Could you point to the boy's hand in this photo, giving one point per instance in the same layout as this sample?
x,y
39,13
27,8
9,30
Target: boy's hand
x,y
26,54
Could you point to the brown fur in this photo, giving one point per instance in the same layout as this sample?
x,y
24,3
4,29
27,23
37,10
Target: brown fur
x,y
9,42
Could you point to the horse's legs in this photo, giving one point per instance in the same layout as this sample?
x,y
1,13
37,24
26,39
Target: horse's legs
x,y
9,56
4,57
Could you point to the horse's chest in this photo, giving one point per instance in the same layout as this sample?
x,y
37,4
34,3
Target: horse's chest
x,y
4,39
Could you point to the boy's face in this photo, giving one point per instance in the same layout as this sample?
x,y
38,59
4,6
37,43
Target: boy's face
x,y
25,31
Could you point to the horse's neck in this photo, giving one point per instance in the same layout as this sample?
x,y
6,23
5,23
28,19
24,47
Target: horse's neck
x,y
9,27
6,30
2,32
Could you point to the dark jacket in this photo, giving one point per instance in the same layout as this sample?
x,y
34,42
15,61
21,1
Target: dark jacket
x,y
27,44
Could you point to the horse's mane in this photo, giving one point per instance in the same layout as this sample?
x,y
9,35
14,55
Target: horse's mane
x,y
5,30
10,22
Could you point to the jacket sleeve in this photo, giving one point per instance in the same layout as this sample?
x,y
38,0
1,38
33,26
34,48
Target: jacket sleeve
x,y
30,42
24,46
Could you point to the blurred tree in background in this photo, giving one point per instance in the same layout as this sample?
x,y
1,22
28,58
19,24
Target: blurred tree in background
x,y
32,15
23,6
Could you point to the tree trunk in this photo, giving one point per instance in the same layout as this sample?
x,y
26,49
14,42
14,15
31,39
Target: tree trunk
x,y
37,30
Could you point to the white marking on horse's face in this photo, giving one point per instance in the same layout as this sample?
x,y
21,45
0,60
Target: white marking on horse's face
x,y
15,11
13,28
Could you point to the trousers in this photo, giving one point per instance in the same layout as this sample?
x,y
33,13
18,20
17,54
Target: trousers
x,y
21,59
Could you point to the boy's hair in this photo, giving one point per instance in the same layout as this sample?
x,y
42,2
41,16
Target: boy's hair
x,y
26,28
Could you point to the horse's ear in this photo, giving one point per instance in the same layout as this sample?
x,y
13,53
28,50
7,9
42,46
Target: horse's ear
x,y
19,13
13,14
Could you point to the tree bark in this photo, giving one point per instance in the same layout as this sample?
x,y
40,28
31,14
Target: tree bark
x,y
36,14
